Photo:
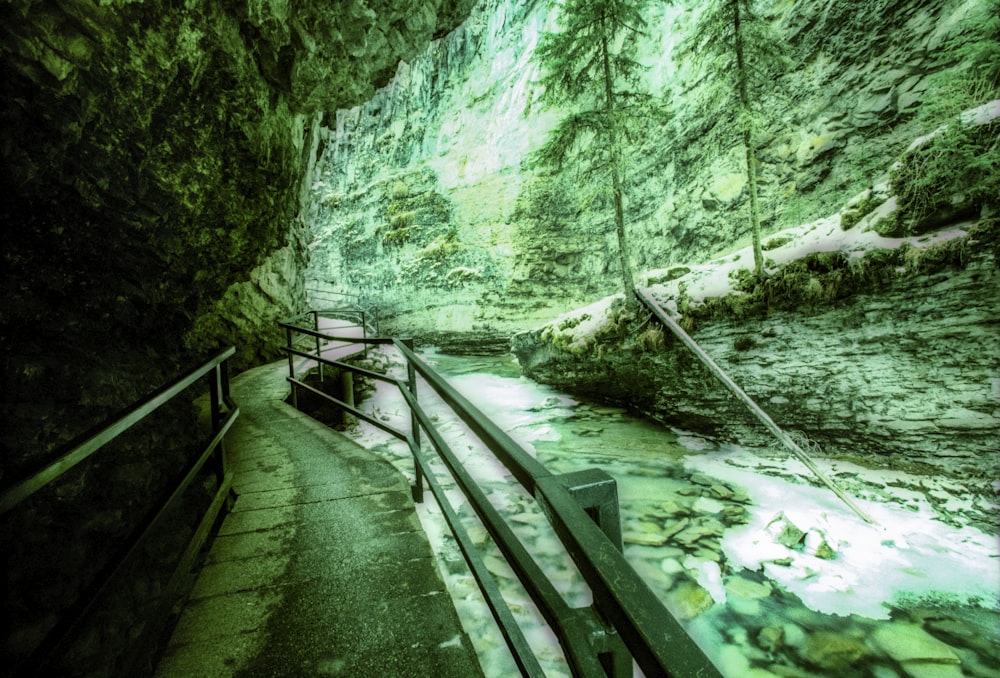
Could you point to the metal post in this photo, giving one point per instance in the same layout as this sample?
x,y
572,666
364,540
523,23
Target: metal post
x,y
319,353
215,379
291,367
364,331
597,494
347,384
411,380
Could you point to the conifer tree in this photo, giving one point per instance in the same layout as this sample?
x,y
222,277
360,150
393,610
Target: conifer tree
x,y
741,53
586,67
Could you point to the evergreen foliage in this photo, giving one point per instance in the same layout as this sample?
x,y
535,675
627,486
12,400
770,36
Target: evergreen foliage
x,y
740,53
587,65
956,170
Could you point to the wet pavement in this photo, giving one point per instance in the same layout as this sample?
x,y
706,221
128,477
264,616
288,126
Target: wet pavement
x,y
321,568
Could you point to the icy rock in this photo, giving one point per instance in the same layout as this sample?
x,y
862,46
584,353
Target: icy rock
x,y
744,595
741,497
671,566
968,635
708,575
704,528
833,651
499,567
549,403
702,479
711,552
784,531
644,538
687,600
817,545
770,638
932,670
734,515
721,492
670,530
910,643
708,505
672,508
742,587
795,635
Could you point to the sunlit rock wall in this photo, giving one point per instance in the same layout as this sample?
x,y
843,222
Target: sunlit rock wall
x,y
419,194
427,199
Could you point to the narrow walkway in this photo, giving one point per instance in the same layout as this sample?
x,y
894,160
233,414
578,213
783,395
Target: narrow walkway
x,y
334,350
321,569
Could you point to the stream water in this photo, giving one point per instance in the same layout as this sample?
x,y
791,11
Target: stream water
x,y
769,572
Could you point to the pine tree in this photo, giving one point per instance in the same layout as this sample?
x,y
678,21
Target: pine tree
x,y
586,65
741,53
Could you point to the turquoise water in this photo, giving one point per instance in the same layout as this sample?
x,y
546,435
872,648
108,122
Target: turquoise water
x,y
767,570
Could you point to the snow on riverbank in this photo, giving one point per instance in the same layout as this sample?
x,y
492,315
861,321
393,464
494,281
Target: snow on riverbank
x,y
838,567
868,568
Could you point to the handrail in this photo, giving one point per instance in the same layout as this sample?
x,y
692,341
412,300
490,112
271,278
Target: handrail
x,y
223,412
345,302
755,409
626,620
87,444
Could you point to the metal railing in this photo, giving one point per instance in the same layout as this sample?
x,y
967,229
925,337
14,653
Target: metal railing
x,y
223,412
345,306
626,620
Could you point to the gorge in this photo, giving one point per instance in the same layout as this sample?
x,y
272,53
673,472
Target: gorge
x,y
180,176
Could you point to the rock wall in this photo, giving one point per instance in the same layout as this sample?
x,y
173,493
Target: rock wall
x,y
905,372
428,199
153,155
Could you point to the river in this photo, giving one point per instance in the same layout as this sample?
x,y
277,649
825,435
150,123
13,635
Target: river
x,y
768,570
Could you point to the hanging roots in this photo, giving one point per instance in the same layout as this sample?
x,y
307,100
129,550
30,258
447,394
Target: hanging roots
x,y
804,442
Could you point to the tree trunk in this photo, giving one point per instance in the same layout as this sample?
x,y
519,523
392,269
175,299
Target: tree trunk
x,y
616,181
758,252
741,76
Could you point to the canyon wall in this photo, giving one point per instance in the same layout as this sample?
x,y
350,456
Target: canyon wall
x,y
901,373
153,155
428,199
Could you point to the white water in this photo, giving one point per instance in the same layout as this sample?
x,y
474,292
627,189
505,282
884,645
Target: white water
x,y
923,552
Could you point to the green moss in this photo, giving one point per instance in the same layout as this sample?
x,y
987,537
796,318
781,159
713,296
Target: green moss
x,y
851,215
956,171
744,342
826,277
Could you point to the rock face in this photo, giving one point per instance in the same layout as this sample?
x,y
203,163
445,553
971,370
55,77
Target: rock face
x,y
153,156
428,200
904,372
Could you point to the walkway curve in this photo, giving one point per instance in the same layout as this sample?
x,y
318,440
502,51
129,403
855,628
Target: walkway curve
x,y
322,568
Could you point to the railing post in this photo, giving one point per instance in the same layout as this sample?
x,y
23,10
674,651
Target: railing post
x,y
411,381
218,387
291,367
597,494
319,353
364,331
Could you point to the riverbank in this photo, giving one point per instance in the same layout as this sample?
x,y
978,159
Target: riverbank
x,y
767,571
881,350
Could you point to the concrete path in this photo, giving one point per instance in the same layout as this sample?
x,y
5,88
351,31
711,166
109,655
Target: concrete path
x,y
332,350
321,569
